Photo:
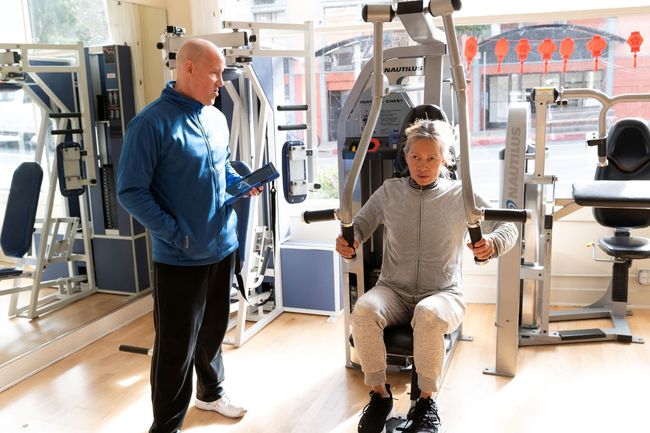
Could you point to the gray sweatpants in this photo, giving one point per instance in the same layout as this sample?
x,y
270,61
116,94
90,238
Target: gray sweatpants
x,y
431,318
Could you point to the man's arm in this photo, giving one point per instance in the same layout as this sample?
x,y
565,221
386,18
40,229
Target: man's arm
x,y
140,153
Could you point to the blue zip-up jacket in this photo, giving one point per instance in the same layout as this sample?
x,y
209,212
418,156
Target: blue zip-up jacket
x,y
172,175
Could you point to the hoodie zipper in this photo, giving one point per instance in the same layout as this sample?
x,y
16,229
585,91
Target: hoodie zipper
x,y
417,275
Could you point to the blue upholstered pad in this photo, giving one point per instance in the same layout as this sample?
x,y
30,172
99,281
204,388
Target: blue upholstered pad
x,y
16,237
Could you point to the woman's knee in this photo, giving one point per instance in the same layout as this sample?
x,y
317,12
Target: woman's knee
x,y
364,312
429,317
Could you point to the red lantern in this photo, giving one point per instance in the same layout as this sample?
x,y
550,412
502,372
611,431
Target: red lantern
x,y
546,49
566,49
501,50
522,49
596,45
471,47
634,41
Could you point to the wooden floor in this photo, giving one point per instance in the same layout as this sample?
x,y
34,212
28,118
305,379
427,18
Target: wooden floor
x,y
21,335
292,378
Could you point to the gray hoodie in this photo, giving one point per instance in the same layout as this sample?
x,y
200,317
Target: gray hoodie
x,y
424,234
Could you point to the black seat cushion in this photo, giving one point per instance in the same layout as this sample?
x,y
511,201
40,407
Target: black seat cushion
x,y
10,272
398,340
628,156
625,247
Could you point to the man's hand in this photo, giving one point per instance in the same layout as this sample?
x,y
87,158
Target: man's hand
x,y
483,250
257,190
344,249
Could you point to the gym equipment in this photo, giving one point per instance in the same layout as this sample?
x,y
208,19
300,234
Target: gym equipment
x,y
620,195
248,102
375,164
39,77
119,240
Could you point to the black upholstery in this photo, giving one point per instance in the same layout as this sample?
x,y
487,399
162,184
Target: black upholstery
x,y
622,183
625,246
426,111
628,156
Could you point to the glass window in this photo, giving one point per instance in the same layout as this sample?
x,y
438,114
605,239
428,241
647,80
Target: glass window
x,y
68,21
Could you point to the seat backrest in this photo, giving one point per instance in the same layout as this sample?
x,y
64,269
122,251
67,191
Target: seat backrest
x,y
425,111
20,215
242,208
628,156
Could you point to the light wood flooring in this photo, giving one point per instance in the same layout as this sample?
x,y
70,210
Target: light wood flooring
x,y
292,378
21,335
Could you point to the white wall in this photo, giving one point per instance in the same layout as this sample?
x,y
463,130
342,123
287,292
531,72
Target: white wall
x,y
576,278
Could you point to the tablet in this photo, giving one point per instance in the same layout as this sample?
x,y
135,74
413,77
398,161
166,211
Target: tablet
x,y
256,178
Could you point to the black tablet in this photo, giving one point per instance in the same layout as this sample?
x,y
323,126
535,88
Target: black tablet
x,y
256,178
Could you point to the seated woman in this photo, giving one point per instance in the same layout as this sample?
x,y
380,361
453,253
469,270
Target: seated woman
x,y
420,282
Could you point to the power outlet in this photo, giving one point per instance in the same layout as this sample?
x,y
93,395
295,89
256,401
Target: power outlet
x,y
644,277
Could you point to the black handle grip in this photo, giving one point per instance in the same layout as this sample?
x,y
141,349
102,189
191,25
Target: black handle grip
x,y
348,235
313,216
475,235
513,215
134,349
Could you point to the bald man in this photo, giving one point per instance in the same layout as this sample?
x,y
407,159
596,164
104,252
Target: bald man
x,y
172,176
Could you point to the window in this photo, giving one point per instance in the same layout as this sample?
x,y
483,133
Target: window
x,y
268,17
68,21
567,126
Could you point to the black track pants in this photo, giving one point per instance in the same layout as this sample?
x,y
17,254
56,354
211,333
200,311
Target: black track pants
x,y
191,311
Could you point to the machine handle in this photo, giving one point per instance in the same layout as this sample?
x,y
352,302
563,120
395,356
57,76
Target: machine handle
x,y
312,216
475,235
135,349
348,235
512,215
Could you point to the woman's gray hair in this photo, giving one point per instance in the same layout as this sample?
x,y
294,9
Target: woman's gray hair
x,y
438,131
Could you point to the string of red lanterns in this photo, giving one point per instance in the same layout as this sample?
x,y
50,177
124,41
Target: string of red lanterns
x,y
547,47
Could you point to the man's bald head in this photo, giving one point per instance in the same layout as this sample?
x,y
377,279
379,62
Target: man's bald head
x,y
199,65
195,49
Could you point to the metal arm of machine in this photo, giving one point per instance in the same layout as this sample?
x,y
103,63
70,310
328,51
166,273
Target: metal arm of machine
x,y
607,102
445,8
376,14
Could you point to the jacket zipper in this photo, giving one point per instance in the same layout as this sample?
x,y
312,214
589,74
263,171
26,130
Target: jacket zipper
x,y
215,181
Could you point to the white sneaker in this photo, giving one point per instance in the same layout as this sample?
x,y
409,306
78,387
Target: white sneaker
x,y
223,406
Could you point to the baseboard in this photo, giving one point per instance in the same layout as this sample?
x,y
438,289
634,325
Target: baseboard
x,y
32,362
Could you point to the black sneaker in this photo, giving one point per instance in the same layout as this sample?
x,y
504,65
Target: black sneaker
x,y
373,418
423,417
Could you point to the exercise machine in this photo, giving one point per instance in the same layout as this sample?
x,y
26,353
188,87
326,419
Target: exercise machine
x,y
23,65
620,196
258,124
367,160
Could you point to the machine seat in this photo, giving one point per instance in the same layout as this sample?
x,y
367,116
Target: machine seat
x,y
613,193
10,272
626,247
399,341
